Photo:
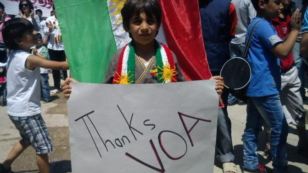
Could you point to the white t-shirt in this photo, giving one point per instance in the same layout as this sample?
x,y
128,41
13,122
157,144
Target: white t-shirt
x,y
55,38
245,12
43,27
23,86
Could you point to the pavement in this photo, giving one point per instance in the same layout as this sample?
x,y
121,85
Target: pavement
x,y
55,115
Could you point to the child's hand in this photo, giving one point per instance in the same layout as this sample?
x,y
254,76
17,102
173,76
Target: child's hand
x,y
66,87
296,20
219,84
34,51
50,26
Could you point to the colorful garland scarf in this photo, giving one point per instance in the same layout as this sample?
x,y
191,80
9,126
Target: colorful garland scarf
x,y
164,71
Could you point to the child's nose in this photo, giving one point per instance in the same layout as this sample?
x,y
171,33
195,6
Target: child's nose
x,y
144,26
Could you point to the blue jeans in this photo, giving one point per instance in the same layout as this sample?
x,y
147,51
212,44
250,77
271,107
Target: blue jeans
x,y
45,90
268,108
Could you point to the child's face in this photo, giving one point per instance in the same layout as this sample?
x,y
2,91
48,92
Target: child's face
x,y
272,8
39,41
27,40
142,28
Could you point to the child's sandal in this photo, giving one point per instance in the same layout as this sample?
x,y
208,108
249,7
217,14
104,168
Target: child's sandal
x,y
229,167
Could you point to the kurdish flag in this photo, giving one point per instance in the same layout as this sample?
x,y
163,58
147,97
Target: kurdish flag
x,y
92,32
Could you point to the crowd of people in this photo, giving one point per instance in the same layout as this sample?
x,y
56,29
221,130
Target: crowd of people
x,y
50,45
266,30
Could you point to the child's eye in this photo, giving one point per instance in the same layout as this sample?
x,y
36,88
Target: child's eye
x,y
151,21
136,21
277,2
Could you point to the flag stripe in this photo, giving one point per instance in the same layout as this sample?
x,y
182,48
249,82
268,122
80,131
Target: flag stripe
x,y
87,36
182,27
121,36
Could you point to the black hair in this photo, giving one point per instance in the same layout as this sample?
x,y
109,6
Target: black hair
x,y
289,9
2,6
132,7
255,4
304,7
14,30
28,2
38,10
38,36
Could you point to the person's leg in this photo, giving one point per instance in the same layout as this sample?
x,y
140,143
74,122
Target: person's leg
x,y
297,58
55,73
62,57
301,75
4,102
3,60
224,147
270,109
303,137
250,137
290,96
41,142
292,100
17,149
21,125
33,130
267,133
2,94
43,163
45,88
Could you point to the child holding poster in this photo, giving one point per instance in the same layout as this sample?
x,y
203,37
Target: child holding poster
x,y
143,60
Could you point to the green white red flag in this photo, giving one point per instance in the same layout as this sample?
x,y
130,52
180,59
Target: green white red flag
x,y
92,32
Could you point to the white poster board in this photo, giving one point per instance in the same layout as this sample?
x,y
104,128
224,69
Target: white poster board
x,y
11,6
143,128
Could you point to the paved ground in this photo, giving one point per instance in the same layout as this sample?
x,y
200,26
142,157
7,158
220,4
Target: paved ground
x,y
56,118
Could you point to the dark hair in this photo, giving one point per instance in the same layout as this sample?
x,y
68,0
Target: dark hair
x,y
14,30
38,10
2,6
304,7
28,2
38,36
255,4
132,7
288,10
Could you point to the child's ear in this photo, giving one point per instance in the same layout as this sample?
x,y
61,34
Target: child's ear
x,y
19,42
261,4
